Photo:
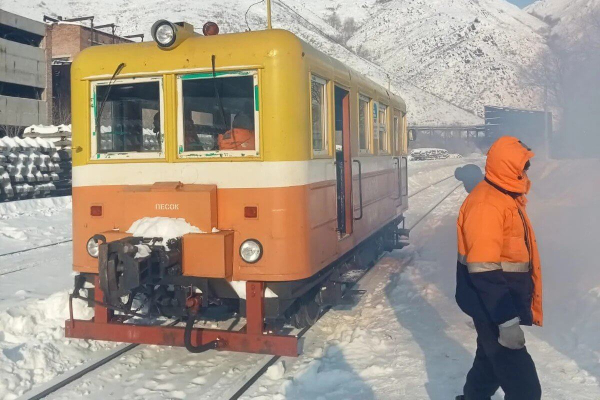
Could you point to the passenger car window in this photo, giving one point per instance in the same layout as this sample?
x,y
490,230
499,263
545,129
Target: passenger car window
x,y
364,131
219,115
383,129
396,137
128,117
318,93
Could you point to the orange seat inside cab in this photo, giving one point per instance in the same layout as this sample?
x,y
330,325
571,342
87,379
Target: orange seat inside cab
x,y
208,255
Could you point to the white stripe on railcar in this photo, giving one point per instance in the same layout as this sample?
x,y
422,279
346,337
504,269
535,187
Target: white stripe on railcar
x,y
226,175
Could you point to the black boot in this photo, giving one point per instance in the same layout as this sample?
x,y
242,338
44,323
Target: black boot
x,y
461,397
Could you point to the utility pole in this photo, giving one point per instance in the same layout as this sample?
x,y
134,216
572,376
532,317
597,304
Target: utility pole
x,y
269,26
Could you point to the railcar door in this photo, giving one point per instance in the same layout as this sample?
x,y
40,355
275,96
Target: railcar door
x,y
343,162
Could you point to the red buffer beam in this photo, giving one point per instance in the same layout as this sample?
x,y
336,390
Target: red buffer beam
x,y
250,339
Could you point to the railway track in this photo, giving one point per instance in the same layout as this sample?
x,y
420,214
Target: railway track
x,y
12,253
239,387
9,271
430,186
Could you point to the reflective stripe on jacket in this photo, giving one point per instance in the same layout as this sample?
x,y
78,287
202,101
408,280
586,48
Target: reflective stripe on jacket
x,y
498,269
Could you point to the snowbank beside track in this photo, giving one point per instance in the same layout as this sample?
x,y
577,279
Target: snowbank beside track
x,y
32,344
29,223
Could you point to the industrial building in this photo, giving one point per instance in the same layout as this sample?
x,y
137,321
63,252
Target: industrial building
x,y
35,64
25,92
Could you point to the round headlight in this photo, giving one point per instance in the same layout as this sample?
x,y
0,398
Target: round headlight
x,y
251,251
93,248
164,34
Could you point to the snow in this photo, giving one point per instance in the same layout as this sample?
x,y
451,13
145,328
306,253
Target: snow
x,y
404,338
565,17
162,227
240,290
276,371
41,130
32,343
143,251
36,222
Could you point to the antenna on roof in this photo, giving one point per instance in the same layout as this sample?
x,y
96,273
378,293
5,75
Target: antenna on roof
x,y
269,26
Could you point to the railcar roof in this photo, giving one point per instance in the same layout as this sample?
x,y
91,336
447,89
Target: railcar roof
x,y
234,51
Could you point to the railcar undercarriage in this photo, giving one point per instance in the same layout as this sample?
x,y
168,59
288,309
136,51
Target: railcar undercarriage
x,y
143,279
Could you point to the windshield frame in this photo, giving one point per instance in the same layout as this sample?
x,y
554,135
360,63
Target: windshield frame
x,y
217,154
95,155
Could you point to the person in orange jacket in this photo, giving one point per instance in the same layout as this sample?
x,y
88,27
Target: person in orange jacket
x,y
499,281
240,136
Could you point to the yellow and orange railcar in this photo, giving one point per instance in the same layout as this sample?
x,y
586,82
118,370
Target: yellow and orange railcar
x,y
293,165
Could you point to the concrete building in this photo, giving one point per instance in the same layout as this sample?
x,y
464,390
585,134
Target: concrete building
x,y
25,95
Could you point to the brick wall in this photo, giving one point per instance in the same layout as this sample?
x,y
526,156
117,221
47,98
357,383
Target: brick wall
x,y
66,40
69,39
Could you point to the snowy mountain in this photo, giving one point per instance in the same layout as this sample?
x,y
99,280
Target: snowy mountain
x,y
470,53
446,57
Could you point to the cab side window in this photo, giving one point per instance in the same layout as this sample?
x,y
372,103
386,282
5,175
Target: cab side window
x,y
383,130
318,95
364,126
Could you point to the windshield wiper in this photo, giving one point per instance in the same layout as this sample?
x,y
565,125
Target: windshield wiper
x,y
108,87
220,102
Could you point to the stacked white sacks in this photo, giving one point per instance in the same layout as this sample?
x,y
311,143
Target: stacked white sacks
x,y
28,167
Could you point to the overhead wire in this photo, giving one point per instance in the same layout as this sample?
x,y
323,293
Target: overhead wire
x,y
246,15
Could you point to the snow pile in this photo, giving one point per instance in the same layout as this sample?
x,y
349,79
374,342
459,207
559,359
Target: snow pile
x,y
43,130
29,223
32,343
162,227
428,154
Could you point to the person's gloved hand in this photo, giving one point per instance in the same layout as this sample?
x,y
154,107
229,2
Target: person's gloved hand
x,y
511,335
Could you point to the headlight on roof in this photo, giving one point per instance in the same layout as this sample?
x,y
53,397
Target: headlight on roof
x,y
169,35
251,251
164,33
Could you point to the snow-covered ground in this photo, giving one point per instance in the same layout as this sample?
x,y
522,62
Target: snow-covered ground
x,y
404,338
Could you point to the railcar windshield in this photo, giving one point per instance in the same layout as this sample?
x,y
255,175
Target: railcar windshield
x,y
130,123
218,115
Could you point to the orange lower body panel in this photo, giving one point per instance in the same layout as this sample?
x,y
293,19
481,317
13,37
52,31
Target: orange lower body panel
x,y
208,255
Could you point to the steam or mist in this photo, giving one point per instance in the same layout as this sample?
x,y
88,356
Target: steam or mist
x,y
569,74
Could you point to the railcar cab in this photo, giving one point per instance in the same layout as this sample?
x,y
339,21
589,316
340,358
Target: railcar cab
x,y
246,170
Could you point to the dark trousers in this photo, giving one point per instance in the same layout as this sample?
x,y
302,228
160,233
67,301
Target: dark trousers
x,y
496,366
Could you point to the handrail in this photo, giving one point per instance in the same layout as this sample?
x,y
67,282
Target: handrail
x,y
405,191
397,162
360,194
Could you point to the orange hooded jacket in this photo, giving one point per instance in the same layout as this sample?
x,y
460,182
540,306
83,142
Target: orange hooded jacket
x,y
499,272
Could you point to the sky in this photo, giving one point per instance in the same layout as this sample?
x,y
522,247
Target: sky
x,y
522,3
